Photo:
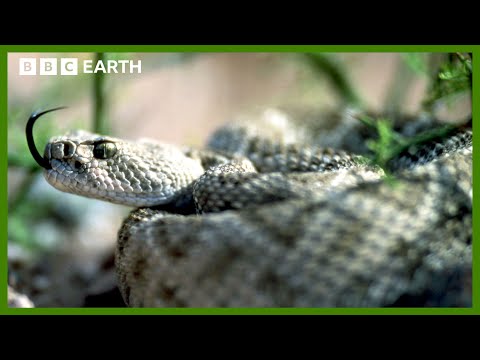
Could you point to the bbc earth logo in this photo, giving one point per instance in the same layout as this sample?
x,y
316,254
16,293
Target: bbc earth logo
x,y
70,66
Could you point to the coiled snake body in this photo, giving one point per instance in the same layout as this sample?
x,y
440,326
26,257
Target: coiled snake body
x,y
260,220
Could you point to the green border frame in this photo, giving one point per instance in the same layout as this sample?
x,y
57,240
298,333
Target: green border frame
x,y
5,49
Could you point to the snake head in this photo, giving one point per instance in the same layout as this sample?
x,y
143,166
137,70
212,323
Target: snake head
x,y
132,173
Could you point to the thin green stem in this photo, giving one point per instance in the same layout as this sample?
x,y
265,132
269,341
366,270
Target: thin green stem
x,y
390,144
398,89
336,74
99,99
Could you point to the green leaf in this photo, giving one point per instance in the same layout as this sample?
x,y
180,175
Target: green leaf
x,y
453,78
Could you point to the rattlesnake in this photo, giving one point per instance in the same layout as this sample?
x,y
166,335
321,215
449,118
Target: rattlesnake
x,y
261,218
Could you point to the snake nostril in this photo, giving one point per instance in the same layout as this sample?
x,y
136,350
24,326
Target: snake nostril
x,y
78,164
66,149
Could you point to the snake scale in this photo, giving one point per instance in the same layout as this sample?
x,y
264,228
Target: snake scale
x,y
280,215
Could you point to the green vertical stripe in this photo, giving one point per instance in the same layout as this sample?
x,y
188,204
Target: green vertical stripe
x,y
3,180
476,177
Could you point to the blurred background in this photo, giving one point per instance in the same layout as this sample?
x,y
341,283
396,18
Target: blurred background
x,y
60,246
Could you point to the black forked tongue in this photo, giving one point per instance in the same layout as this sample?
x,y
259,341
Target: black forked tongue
x,y
31,144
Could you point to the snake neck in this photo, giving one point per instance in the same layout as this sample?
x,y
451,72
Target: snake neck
x,y
181,204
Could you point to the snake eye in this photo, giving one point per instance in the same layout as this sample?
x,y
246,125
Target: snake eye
x,y
104,150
